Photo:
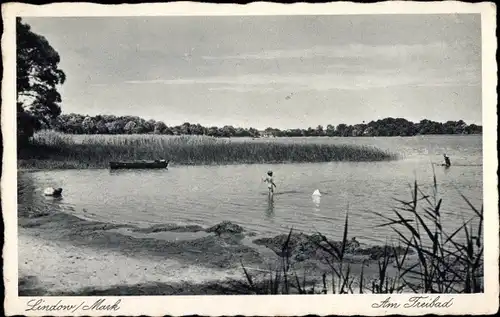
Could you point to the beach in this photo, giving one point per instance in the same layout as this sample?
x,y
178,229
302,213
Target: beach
x,y
59,267
66,255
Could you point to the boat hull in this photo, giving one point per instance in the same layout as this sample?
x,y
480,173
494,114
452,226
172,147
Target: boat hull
x,y
138,165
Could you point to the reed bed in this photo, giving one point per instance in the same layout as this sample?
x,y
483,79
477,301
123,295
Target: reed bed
x,y
50,149
433,260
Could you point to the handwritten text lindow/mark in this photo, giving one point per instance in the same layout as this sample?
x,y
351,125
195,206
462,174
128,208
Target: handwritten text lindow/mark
x,y
98,305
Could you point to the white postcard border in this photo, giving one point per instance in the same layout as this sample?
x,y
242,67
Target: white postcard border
x,y
485,303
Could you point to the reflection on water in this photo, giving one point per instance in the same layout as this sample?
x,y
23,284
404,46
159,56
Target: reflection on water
x,y
270,207
206,195
316,200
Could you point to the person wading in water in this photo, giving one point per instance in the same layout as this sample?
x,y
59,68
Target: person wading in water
x,y
447,162
270,183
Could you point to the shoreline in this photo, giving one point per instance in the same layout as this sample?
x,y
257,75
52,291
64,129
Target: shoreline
x,y
74,258
48,164
53,166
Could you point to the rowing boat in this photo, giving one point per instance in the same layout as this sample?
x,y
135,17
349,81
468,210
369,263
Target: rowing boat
x,y
143,164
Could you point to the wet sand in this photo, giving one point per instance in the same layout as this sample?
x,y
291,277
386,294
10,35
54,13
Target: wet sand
x,y
60,254
60,267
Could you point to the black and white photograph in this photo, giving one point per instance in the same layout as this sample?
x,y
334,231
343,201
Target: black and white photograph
x,y
316,153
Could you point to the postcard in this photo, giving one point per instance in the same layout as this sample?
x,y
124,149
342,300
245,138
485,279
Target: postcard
x,y
261,160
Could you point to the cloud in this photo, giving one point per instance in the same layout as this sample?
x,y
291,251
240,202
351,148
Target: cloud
x,y
244,89
400,51
349,67
336,80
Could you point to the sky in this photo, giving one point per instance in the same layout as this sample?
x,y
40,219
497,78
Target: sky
x,y
270,71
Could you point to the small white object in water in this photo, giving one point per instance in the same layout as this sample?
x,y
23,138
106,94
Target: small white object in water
x,y
50,191
316,193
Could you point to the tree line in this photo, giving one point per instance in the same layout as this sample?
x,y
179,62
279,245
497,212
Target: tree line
x,y
38,107
383,127
109,124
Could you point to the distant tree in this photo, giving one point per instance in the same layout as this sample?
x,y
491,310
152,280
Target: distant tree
x,y
169,131
309,132
114,127
101,127
213,131
473,129
460,127
197,129
342,130
37,79
349,131
185,128
254,132
431,127
449,127
129,127
160,127
228,131
149,126
330,130
109,118
176,130
88,125
320,131
358,129
140,127
74,123
293,133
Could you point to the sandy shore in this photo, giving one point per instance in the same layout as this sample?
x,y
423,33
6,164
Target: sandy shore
x,y
61,254
61,267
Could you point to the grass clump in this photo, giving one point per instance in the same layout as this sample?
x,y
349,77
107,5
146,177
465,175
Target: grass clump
x,y
50,149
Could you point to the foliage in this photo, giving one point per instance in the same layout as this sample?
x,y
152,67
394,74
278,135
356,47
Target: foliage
x,y
54,149
37,78
109,124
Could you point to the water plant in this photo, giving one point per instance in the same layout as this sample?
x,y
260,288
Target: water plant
x,y
50,149
429,259
446,262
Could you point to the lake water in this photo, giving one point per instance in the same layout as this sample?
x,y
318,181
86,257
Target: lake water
x,y
207,195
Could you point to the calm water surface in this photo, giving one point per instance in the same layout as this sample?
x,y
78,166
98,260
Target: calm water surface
x,y
207,195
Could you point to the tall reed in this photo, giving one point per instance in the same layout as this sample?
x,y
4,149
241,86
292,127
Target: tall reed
x,y
52,149
446,262
443,262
